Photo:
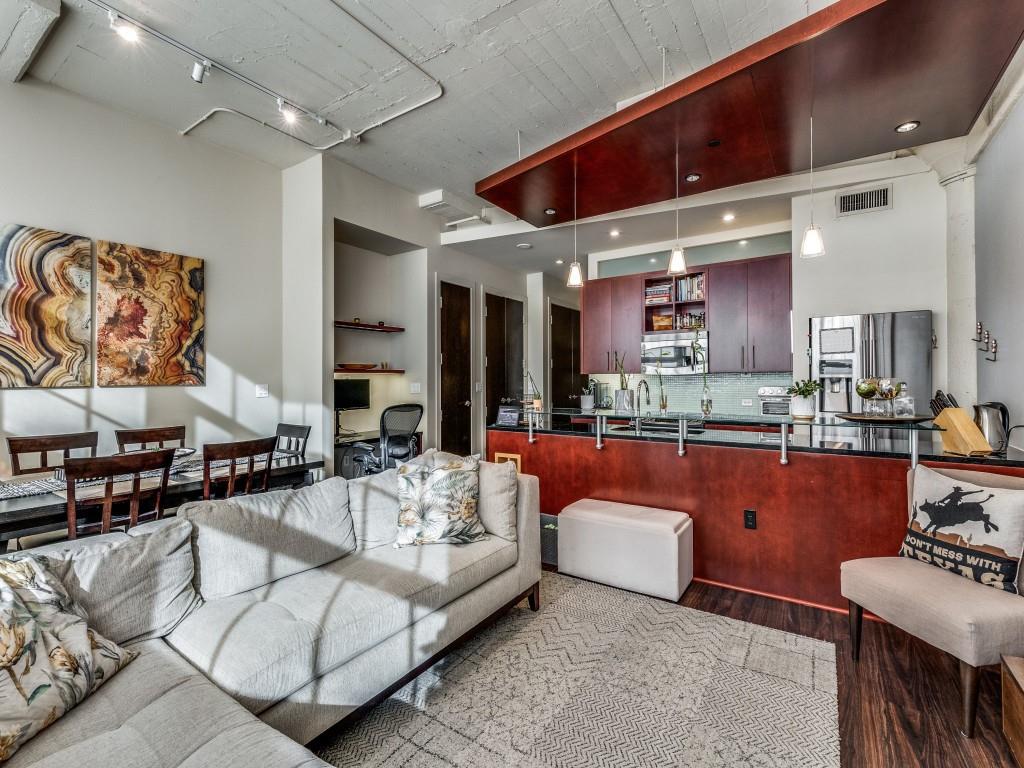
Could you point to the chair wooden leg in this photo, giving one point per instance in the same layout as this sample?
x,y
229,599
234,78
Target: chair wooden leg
x,y
969,692
534,597
856,620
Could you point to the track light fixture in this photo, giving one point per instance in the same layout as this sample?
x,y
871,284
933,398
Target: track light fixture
x,y
200,70
125,31
287,113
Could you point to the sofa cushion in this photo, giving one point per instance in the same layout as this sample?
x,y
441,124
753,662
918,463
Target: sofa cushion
x,y
53,660
972,622
373,502
131,587
437,504
248,541
975,531
160,712
498,490
263,645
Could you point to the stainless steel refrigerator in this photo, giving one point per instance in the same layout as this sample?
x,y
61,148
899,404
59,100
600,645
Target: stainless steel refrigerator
x,y
891,345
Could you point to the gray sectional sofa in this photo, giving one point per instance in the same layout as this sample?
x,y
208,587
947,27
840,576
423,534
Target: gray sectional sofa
x,y
263,621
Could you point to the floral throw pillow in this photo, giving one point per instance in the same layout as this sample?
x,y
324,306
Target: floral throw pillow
x,y
50,660
437,502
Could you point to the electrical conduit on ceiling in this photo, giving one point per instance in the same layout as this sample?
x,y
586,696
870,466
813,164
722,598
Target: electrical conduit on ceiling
x,y
346,135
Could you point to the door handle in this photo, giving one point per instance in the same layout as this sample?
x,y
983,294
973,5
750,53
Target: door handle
x,y
468,403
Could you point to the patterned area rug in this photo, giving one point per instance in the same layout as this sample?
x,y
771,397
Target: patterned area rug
x,y
602,677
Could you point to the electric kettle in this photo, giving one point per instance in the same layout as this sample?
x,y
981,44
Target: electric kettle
x,y
993,419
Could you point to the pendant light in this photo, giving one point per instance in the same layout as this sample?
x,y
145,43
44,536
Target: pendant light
x,y
575,271
813,244
677,259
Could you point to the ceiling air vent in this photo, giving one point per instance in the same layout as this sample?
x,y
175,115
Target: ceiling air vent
x,y
850,203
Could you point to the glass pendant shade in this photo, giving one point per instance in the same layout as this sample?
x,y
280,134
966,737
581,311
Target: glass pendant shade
x,y
575,276
677,261
813,244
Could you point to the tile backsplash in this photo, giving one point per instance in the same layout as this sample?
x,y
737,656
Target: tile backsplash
x,y
728,390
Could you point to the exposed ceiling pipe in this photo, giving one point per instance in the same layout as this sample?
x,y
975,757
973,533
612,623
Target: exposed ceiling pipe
x,y
345,135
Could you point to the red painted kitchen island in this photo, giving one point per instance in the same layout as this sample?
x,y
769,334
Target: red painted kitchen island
x,y
839,497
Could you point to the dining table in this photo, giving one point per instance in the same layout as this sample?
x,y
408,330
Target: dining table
x,y
44,512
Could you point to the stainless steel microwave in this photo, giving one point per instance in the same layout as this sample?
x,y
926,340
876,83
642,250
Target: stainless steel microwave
x,y
682,353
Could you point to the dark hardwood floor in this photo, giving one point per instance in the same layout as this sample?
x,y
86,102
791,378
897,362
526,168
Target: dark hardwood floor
x,y
900,704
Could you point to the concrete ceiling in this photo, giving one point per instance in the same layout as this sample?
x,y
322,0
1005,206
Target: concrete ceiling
x,y
695,224
544,67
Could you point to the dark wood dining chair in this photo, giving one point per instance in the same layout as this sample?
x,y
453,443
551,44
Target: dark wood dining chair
x,y
47,444
292,439
257,478
156,436
119,507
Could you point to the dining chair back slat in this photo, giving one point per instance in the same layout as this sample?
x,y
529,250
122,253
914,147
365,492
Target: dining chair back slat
x,y
146,436
257,480
108,469
292,439
46,444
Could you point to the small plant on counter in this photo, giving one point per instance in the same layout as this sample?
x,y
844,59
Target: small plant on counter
x,y
620,368
807,388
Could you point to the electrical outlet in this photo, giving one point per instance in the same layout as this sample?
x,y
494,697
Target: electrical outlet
x,y
746,402
415,388
750,519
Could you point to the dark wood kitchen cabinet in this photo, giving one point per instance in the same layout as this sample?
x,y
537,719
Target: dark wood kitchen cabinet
x,y
749,304
612,321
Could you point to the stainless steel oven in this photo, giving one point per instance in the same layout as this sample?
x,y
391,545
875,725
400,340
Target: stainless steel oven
x,y
681,353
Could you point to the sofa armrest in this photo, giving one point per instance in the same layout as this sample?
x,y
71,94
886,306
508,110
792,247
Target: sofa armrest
x,y
528,530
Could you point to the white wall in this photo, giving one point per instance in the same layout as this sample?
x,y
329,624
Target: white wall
x,y
875,262
999,244
74,166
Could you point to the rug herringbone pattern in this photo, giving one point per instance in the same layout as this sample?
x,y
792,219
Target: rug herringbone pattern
x,y
601,677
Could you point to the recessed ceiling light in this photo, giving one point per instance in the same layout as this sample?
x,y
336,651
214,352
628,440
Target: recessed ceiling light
x,y
907,127
524,246
729,217
743,242
614,233
692,177
549,211
559,261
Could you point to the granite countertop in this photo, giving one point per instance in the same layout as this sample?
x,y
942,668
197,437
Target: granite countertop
x,y
880,443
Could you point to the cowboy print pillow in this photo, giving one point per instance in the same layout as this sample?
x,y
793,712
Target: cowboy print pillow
x,y
967,529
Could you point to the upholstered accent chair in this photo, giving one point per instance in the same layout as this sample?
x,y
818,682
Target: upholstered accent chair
x,y
975,623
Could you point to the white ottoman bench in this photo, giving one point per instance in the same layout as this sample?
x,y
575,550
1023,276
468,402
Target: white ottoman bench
x,y
641,549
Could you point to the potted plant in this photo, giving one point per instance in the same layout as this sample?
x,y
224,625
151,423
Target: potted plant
x,y
587,398
802,405
705,395
534,392
623,395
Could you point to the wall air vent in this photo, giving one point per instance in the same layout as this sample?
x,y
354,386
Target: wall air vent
x,y
852,202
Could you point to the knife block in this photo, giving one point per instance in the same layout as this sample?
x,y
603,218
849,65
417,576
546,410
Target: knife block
x,y
961,436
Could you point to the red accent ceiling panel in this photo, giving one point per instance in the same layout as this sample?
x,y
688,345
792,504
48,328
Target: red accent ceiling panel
x,y
873,64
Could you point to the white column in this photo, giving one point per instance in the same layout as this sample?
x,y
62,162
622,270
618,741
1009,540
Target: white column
x,y
961,296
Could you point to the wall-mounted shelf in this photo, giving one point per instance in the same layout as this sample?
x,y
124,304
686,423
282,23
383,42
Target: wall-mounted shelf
x,y
351,326
370,370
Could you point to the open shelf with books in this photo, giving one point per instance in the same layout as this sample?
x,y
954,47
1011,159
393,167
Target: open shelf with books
x,y
675,303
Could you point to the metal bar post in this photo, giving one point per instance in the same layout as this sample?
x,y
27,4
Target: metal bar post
x,y
529,426
785,445
913,449
600,424
683,427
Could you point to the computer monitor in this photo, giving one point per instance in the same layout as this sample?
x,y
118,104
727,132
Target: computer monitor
x,y
351,394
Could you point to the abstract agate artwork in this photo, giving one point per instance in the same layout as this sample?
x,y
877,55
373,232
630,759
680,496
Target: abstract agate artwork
x,y
45,308
150,317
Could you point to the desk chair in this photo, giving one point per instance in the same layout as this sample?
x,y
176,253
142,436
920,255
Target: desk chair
x,y
398,426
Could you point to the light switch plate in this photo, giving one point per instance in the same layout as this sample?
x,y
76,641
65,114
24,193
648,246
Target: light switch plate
x,y
415,388
262,390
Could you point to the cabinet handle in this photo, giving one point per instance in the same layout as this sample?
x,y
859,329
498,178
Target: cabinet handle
x,y
743,357
607,361
753,356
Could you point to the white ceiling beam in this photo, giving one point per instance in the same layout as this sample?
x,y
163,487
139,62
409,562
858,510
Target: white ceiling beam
x,y
24,26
